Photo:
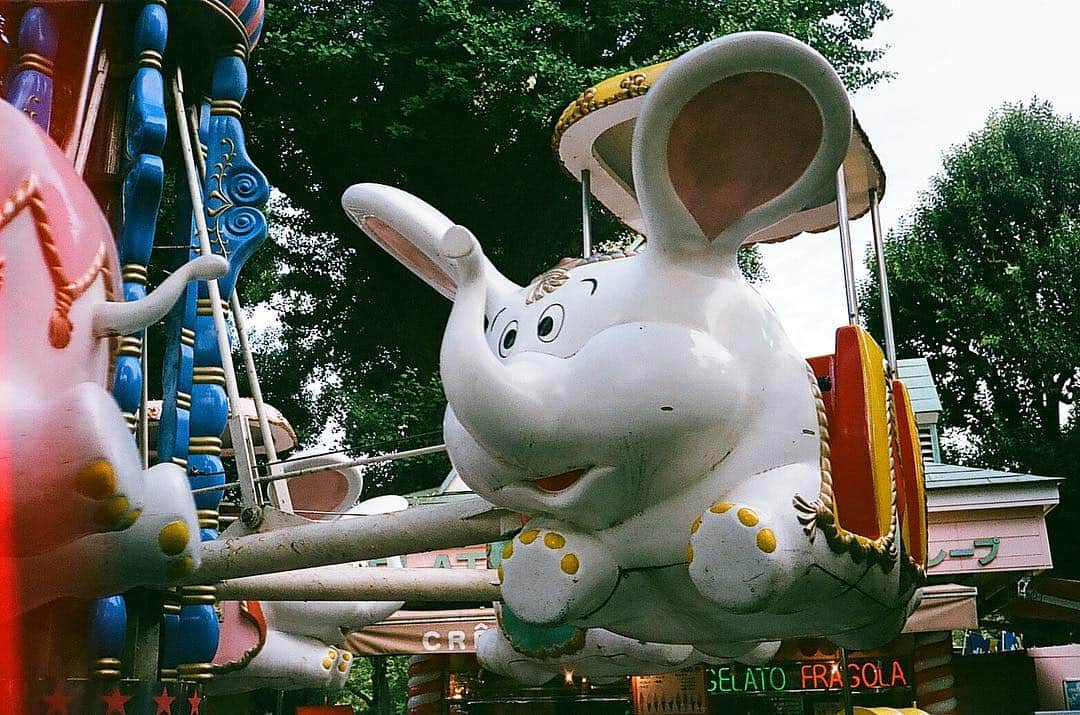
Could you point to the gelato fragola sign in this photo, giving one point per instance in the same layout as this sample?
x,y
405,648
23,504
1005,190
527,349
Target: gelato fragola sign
x,y
820,675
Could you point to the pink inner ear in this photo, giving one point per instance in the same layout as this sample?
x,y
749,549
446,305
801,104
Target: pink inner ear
x,y
321,491
739,143
406,251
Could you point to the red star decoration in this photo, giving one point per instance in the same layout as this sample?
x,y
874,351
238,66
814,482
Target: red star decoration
x,y
114,702
193,701
58,701
164,702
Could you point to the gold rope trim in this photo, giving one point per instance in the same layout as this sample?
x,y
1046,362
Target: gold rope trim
x,y
65,291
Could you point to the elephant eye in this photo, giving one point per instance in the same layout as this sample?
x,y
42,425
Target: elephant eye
x,y
509,337
551,322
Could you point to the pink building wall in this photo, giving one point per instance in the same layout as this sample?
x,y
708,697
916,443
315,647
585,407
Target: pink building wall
x,y
1053,665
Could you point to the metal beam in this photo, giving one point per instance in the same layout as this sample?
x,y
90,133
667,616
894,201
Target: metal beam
x,y
353,583
425,528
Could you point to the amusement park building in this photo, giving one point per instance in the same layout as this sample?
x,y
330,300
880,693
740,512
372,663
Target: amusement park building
x,y
987,535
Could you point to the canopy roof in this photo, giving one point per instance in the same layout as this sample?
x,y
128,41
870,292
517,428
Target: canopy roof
x,y
595,133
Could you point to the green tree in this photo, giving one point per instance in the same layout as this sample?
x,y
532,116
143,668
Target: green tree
x,y
454,101
984,282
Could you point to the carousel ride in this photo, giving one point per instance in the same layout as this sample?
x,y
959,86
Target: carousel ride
x,y
714,494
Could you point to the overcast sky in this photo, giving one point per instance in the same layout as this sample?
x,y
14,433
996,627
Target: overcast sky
x,y
955,61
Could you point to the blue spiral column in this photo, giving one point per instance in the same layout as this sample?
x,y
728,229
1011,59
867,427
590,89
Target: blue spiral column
x,y
31,87
146,127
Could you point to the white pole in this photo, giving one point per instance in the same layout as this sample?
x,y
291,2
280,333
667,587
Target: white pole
x,y
586,214
279,489
353,582
426,528
238,425
845,247
883,283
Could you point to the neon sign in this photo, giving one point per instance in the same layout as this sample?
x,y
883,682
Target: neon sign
x,y
822,675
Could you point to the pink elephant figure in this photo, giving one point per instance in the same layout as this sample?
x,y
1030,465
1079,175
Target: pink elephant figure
x,y
87,520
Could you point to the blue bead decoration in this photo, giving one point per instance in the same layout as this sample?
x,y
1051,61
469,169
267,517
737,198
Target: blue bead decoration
x,y
108,626
30,88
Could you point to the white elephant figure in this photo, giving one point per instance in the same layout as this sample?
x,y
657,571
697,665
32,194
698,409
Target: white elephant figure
x,y
294,644
77,493
648,410
601,656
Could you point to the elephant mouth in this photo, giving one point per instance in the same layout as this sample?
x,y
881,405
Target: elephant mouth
x,y
559,482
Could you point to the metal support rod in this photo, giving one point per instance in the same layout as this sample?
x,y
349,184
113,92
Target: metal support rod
x,y
77,137
586,214
845,678
93,110
883,282
144,418
352,583
425,528
364,461
846,251
279,489
238,425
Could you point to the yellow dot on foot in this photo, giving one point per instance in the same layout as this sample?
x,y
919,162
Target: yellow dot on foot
x,y
508,550
110,511
695,526
96,480
766,541
128,519
554,541
346,657
173,537
747,517
720,507
326,664
689,552
179,568
569,564
342,667
529,536
499,571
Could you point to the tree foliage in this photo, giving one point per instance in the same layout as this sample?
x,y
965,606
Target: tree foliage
x,y
454,101
984,282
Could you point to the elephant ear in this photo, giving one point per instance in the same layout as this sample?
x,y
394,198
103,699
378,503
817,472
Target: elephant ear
x,y
410,230
735,136
325,494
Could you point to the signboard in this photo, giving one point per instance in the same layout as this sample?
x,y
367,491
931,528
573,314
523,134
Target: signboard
x,y
818,675
681,693
423,632
466,557
970,541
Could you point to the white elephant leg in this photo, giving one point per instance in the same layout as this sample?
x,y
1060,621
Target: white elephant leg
x,y
551,574
748,547
160,548
76,471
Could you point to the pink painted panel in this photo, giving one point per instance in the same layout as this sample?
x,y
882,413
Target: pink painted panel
x,y
988,540
468,557
1053,666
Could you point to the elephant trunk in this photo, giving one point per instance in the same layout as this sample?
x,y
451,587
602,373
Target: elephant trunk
x,y
498,404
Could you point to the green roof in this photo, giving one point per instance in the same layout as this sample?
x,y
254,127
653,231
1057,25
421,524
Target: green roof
x,y
915,372
944,476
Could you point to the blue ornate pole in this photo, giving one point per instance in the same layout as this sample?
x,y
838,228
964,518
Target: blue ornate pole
x,y
31,87
145,131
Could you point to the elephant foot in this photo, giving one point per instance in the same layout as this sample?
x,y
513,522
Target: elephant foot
x,y
735,556
552,576
164,542
98,481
